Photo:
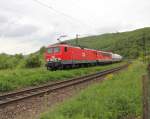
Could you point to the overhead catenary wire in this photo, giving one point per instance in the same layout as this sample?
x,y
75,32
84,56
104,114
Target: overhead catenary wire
x,y
64,14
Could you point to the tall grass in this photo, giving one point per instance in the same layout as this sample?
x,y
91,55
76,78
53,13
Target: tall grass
x,y
19,78
118,97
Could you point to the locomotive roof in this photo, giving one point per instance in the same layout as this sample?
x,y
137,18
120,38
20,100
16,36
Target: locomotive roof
x,y
67,45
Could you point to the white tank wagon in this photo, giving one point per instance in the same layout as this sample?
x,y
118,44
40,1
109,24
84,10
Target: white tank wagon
x,y
116,57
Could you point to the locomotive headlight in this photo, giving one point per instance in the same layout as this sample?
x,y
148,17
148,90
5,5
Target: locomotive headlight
x,y
51,59
48,60
59,58
54,59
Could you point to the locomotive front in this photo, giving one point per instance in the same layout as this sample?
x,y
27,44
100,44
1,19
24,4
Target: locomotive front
x,y
53,57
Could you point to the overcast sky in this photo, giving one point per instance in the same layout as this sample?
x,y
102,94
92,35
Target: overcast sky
x,y
27,25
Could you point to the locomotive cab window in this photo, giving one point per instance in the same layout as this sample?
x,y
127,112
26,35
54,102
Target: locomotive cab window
x,y
49,50
56,49
65,49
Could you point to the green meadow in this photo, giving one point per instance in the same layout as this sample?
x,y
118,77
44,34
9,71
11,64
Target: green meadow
x,y
12,79
118,97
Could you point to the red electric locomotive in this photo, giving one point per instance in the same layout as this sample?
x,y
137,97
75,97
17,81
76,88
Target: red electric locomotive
x,y
67,56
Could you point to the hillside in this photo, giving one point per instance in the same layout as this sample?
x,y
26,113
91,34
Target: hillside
x,y
129,44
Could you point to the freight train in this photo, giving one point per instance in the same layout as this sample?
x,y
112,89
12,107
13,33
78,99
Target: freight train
x,y
61,56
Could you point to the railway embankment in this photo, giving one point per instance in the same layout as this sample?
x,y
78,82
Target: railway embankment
x,y
29,103
24,78
118,97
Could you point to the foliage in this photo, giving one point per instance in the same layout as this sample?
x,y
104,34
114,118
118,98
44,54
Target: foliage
x,y
22,61
128,44
32,61
9,61
116,98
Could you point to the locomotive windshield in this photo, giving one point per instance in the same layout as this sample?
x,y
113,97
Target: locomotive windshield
x,y
49,50
53,50
56,49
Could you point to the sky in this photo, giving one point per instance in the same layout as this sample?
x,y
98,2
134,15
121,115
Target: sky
x,y
27,25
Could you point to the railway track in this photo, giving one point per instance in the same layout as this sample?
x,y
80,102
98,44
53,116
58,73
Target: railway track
x,y
8,98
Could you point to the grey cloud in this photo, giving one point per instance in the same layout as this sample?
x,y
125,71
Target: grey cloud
x,y
3,19
113,28
35,25
48,38
19,31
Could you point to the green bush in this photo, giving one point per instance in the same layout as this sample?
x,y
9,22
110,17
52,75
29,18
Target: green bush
x,y
32,61
9,61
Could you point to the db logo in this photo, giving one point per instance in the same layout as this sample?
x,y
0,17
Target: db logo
x,y
83,54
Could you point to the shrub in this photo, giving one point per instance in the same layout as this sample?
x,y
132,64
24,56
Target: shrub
x,y
32,61
10,61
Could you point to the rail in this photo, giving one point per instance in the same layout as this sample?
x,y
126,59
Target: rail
x,y
48,88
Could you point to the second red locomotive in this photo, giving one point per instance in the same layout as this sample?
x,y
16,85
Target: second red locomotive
x,y
66,56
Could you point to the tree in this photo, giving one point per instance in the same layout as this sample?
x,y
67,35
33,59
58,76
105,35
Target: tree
x,y
32,61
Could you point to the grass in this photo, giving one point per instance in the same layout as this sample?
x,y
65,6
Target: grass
x,y
20,78
118,97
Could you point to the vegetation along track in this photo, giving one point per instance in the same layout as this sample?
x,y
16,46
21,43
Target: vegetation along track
x,y
8,98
